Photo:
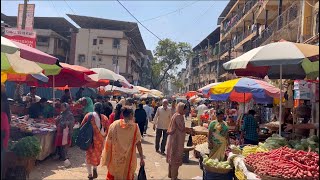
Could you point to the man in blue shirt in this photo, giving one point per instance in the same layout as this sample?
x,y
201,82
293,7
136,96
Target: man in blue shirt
x,y
250,129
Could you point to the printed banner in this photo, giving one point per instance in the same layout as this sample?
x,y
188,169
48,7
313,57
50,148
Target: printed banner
x,y
21,36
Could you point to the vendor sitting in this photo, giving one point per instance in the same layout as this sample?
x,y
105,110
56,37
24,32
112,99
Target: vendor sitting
x,y
36,110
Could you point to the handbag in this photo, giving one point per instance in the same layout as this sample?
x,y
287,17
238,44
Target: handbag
x,y
65,136
142,174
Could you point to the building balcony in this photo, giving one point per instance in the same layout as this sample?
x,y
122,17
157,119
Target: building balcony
x,y
242,12
289,16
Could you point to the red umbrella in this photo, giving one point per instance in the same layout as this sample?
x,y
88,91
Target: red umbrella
x,y
35,55
191,93
71,75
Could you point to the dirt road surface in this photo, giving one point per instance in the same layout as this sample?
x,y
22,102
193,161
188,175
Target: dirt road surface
x,y
156,166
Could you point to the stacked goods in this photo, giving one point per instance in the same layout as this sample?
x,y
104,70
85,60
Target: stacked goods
x,y
273,125
215,163
235,149
249,150
275,142
304,144
253,149
285,163
199,139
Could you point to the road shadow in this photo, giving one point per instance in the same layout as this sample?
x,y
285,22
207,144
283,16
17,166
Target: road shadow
x,y
146,142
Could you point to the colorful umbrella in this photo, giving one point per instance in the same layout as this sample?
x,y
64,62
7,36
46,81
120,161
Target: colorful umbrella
x,y
27,77
7,46
243,90
156,92
191,93
148,95
297,61
13,63
206,89
35,55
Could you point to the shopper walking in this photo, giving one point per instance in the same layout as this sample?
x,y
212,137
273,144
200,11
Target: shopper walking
x,y
64,123
119,153
148,110
249,129
140,118
117,114
100,127
161,124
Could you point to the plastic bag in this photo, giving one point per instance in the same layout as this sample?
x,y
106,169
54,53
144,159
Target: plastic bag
x,y
65,136
142,174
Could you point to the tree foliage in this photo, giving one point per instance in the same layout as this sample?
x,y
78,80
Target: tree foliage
x,y
168,56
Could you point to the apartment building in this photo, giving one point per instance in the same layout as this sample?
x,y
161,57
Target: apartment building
x,y
53,34
204,66
110,44
249,24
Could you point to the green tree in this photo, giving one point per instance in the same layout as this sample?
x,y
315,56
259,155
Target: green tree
x,y
168,56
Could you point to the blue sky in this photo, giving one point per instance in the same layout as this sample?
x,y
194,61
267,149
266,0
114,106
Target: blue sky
x,y
192,23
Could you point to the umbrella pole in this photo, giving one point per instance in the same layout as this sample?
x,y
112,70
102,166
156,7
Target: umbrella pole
x,y
280,109
53,91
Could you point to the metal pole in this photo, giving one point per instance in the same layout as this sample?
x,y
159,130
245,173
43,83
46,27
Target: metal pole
x,y
117,62
24,15
280,109
53,91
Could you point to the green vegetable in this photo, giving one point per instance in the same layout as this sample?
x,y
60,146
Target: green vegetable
x,y
27,147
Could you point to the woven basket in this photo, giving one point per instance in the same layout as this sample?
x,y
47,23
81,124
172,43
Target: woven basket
x,y
216,170
201,133
249,168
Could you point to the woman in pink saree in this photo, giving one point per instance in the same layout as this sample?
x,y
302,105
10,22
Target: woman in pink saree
x,y
175,146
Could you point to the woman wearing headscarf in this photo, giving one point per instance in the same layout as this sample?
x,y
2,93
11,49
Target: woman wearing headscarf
x,y
140,116
100,128
116,114
87,104
64,123
119,153
176,138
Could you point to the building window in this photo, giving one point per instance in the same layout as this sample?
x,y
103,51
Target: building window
x,y
100,41
114,60
94,42
93,58
99,59
116,43
42,41
81,58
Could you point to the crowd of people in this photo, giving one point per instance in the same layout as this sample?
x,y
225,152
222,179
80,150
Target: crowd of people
x,y
119,126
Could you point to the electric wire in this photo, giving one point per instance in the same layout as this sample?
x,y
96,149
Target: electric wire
x,y
138,21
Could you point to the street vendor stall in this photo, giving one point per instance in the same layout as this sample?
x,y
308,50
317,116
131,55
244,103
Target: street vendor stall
x,y
43,130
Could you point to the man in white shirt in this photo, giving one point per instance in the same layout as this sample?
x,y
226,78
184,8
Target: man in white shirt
x,y
148,110
161,125
201,108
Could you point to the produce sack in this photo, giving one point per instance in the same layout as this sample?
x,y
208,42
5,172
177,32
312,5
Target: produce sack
x,y
142,174
65,136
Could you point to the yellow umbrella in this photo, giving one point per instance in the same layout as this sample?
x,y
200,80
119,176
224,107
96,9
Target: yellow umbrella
x,y
13,63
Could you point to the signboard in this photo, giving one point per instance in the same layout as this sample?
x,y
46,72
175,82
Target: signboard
x,y
21,36
29,17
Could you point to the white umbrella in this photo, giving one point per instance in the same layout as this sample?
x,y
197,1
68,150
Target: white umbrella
x,y
142,89
7,46
148,95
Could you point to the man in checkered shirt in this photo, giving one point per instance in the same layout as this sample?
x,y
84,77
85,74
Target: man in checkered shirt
x,y
250,129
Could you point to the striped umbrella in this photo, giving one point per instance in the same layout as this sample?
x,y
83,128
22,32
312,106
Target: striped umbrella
x,y
243,90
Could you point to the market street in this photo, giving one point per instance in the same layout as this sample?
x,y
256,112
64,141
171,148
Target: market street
x,y
156,166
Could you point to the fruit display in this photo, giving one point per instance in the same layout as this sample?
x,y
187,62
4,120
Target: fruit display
x,y
273,125
202,148
275,142
285,163
304,144
235,149
199,139
215,163
250,149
